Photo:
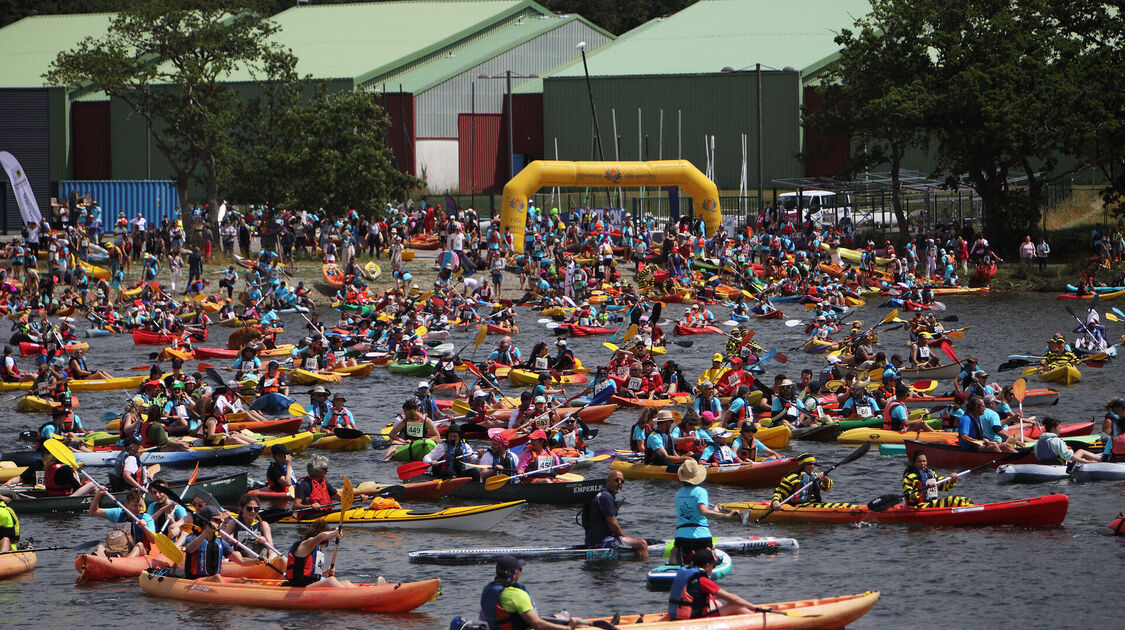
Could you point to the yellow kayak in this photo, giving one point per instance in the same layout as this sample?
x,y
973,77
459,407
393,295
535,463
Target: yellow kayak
x,y
15,386
884,436
1063,375
854,255
557,311
525,377
35,404
356,371
107,384
372,270
301,376
98,273
329,442
167,354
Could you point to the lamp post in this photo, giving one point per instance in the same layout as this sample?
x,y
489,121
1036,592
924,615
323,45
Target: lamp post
x,y
581,46
758,117
508,76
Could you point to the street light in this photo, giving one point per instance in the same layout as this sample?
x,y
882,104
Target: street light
x,y
581,46
507,76
758,136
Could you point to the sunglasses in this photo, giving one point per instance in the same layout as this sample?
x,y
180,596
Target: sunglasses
x,y
252,508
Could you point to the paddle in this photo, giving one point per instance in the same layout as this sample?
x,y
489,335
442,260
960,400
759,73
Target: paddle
x,y
191,480
346,496
598,399
854,455
272,515
1019,390
1082,324
66,458
888,501
499,481
296,410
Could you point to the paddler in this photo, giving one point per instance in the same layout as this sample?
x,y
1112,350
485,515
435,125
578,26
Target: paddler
x,y
538,457
694,593
693,506
313,494
127,539
921,489
599,518
274,381
1113,426
660,448
748,448
304,565
279,474
259,539
505,604
415,429
76,367
1051,449
785,409
205,549
338,415
972,433
496,459
1057,353
713,373
167,515
447,460
795,481
859,405
9,526
897,418
318,405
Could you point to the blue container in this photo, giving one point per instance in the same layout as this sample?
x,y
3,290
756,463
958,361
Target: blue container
x,y
153,199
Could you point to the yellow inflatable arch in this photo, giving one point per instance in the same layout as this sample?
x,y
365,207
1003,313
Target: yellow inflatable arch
x,y
513,214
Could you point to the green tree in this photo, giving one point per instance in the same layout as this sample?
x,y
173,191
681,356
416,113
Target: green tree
x,y
321,152
875,93
168,61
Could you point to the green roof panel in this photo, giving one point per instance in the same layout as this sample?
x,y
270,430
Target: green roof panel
x,y
28,47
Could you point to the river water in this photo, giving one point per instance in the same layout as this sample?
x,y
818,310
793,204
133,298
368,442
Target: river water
x,y
982,578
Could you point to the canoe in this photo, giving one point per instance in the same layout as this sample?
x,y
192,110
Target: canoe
x,y
825,612
1031,473
106,384
951,455
147,337
1063,375
388,598
731,545
272,403
332,443
760,314
333,276
1036,397
661,577
227,489
759,475
93,567
301,376
884,436
1102,297
681,330
464,518
586,331
1099,471
527,378
1044,511
13,564
948,371
625,401
559,493
28,348
410,369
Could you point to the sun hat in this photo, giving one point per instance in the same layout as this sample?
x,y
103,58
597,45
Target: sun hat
x,y
691,472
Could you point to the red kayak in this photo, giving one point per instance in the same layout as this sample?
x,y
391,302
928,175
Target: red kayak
x,y
215,353
1035,397
587,331
92,567
1044,511
28,348
774,314
147,337
495,329
940,455
1118,526
681,330
278,425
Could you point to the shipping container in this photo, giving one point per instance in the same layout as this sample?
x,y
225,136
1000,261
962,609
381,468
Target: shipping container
x,y
153,199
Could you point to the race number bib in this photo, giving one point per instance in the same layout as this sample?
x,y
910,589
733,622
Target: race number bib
x,y
544,461
864,411
635,383
542,423
924,352
791,412
541,363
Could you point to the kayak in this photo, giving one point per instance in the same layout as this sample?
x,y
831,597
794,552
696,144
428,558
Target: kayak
x,y
1044,511
574,492
272,403
15,386
93,567
167,354
28,348
333,277
147,337
106,384
234,455
1102,297
98,332
681,330
414,451
951,455
410,369
948,371
35,404
662,576
527,378
758,475
825,612
300,376
386,598
355,371
1031,473
586,331
279,425
330,442
236,322
625,401
557,311
763,314
13,564
372,271
591,414
465,518
1035,397
885,436
1063,375
496,329
827,432
227,490
772,437
751,544
1099,471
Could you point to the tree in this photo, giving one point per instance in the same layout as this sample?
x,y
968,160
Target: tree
x,y
875,92
168,60
321,152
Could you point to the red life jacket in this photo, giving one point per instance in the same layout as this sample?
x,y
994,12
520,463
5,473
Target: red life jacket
x,y
888,424
55,488
146,441
318,492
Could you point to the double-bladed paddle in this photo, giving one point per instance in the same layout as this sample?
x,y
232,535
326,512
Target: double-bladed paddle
x,y
888,501
854,455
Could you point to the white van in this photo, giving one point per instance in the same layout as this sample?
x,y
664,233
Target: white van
x,y
823,206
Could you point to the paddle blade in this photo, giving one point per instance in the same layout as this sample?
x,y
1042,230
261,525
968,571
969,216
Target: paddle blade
x,y
611,346
496,481
61,452
884,502
656,310
482,331
685,343
630,333
890,316
347,495
169,548
1019,389
297,410
344,433
410,470
1029,371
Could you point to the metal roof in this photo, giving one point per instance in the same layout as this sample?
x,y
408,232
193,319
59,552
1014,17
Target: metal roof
x,y
362,41
28,47
713,34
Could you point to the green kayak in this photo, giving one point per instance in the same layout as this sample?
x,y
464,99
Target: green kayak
x,y
410,369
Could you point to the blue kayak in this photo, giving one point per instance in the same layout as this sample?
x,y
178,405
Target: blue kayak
x,y
272,403
97,332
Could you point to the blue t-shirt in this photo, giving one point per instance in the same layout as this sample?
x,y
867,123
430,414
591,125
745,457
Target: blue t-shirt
x,y
638,434
898,412
178,512
967,427
866,401
117,515
655,441
736,406
690,521
991,425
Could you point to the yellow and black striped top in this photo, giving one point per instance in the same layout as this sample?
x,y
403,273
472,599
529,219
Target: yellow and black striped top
x,y
792,483
914,485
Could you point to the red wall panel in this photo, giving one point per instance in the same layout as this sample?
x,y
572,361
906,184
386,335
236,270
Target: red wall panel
x,y
400,136
89,139
482,162
826,154
527,126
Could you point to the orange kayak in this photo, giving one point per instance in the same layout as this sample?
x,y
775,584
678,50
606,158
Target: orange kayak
x,y
387,598
625,401
92,567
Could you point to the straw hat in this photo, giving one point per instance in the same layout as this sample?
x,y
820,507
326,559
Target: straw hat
x,y
691,472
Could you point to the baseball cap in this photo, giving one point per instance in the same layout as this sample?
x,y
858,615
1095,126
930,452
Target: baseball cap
x,y
509,564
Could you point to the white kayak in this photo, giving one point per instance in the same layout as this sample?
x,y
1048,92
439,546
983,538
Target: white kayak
x,y
1031,473
661,577
738,544
1099,471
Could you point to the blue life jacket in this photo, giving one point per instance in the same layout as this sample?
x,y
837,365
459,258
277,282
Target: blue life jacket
x,y
491,612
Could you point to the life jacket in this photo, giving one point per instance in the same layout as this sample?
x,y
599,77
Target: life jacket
x,y
318,491
271,384
888,422
650,455
1044,453
205,561
507,464
146,441
342,419
687,599
723,454
748,451
56,488
119,469
541,461
8,515
491,612
453,464
302,570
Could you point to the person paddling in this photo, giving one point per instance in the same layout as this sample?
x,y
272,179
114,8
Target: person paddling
x,y
305,562
256,536
921,488
314,491
694,593
805,481
506,604
127,539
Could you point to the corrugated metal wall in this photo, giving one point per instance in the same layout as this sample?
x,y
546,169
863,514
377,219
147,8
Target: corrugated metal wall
x,y
153,199
25,132
482,164
400,135
722,105
826,154
438,107
527,126
90,140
